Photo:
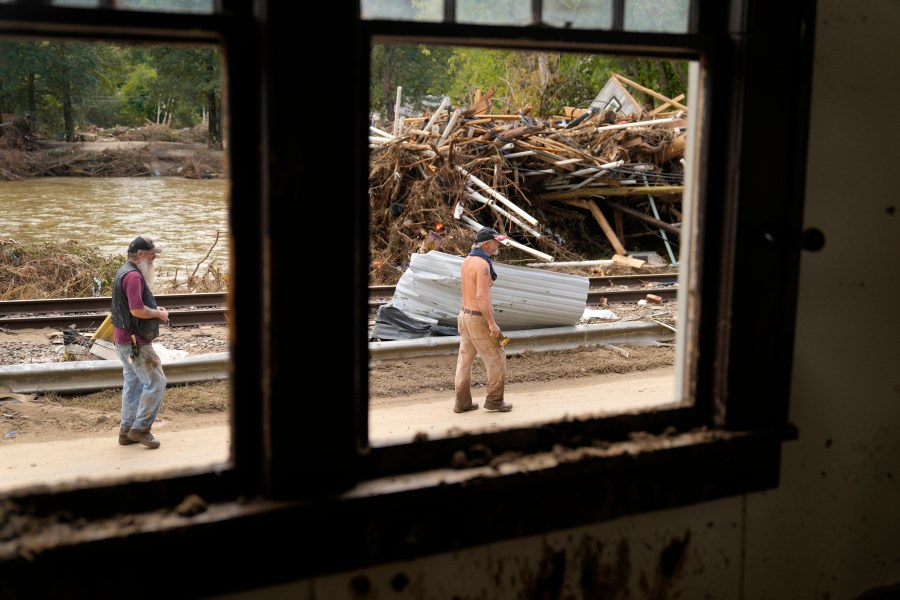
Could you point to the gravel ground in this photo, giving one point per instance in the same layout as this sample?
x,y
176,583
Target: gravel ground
x,y
47,345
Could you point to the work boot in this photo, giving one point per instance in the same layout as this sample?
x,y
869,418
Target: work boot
x,y
458,408
497,405
144,437
123,439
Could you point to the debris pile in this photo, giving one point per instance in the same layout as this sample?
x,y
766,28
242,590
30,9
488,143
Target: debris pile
x,y
547,183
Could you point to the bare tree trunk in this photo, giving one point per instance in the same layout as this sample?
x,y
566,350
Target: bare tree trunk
x,y
544,68
213,131
32,104
545,74
680,71
67,113
387,81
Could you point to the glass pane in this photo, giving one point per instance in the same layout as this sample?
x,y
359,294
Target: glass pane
x,y
578,14
583,170
205,7
77,3
102,143
493,12
661,16
402,10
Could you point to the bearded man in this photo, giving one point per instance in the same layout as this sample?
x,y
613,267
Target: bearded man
x,y
136,319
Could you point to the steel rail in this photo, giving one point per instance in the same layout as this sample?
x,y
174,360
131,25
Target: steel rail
x,y
664,286
620,296
177,318
594,296
209,308
102,303
382,292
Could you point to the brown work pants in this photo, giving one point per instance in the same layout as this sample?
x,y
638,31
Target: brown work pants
x,y
475,339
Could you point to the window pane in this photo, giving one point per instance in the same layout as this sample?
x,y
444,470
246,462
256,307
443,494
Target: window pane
x,y
468,137
578,14
103,142
205,7
402,10
493,12
77,3
662,16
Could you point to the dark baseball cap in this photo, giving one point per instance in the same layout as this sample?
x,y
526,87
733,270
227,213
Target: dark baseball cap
x,y
488,233
142,242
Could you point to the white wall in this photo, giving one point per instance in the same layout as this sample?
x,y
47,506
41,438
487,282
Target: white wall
x,y
832,528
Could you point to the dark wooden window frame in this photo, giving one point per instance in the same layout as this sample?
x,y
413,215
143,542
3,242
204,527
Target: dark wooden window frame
x,y
301,468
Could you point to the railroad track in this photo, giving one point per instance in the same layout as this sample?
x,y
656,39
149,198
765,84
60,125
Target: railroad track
x,y
89,313
210,308
601,290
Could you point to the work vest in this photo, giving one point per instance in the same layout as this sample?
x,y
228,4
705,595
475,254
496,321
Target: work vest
x,y
121,313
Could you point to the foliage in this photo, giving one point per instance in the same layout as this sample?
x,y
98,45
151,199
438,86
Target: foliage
x,y
67,85
185,78
137,89
547,81
54,270
420,70
70,269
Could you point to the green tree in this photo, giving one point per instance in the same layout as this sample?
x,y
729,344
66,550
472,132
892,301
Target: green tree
x,y
101,105
71,75
551,81
189,86
21,67
13,75
68,84
137,98
422,71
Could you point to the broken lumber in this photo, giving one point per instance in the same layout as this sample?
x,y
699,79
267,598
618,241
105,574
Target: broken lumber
x,y
666,104
642,190
628,261
644,217
601,219
649,92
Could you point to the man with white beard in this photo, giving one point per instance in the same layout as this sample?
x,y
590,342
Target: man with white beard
x,y
136,319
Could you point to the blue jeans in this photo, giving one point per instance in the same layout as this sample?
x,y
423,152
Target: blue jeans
x,y
145,384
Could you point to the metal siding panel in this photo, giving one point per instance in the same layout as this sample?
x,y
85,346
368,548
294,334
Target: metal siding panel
x,y
523,297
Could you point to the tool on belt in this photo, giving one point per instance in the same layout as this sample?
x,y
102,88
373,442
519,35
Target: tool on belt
x,y
135,348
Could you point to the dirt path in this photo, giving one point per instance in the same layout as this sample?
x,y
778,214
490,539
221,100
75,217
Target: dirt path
x,y
92,459
400,420
199,441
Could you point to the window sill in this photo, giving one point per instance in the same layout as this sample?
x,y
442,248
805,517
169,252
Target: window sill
x,y
400,517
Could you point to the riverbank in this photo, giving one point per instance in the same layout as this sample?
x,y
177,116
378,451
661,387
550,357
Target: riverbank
x,y
147,151
113,159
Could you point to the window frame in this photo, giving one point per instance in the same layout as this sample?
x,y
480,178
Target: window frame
x,y
301,463
398,459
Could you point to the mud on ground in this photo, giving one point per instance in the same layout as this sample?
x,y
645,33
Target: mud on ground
x,y
40,418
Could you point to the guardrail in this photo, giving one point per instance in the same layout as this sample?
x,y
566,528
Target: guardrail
x,y
633,333
80,377
85,376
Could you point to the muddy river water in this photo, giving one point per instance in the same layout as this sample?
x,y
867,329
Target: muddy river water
x,y
183,216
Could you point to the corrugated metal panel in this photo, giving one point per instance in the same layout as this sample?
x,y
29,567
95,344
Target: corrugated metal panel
x,y
523,297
